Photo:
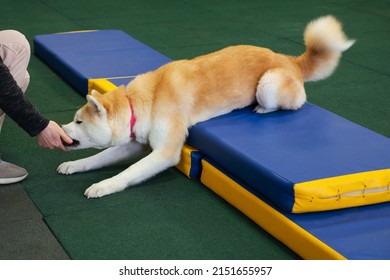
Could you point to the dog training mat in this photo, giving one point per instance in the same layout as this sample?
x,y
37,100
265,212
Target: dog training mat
x,y
84,55
304,161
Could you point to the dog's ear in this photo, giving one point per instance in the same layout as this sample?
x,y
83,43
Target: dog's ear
x,y
98,107
94,92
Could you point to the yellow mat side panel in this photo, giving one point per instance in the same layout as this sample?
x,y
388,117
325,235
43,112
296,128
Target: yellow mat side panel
x,y
282,228
343,191
185,163
104,85
100,85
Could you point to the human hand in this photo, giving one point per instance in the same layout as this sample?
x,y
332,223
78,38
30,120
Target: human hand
x,y
53,137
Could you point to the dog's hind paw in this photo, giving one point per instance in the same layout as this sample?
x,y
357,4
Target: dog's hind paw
x,y
261,110
71,167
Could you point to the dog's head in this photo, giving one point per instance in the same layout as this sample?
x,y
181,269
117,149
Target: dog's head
x,y
102,122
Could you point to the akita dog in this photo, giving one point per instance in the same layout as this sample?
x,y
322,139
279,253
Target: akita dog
x,y
158,107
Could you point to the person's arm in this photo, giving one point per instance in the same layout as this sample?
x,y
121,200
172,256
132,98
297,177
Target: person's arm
x,y
16,106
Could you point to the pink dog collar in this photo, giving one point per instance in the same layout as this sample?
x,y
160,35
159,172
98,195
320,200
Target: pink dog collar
x,y
132,122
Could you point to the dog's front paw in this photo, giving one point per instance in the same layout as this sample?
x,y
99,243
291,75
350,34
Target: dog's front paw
x,y
103,188
71,167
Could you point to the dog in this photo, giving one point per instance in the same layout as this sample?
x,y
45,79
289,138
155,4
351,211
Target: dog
x,y
157,108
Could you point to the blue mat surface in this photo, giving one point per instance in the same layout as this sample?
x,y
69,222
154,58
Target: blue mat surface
x,y
80,56
274,152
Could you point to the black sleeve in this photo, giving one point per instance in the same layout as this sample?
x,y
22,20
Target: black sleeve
x,y
16,106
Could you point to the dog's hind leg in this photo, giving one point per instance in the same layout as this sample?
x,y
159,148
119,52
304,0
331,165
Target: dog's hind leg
x,y
107,157
278,89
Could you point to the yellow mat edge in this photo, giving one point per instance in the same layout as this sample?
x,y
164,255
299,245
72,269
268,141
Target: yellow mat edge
x,y
293,236
351,190
185,163
101,85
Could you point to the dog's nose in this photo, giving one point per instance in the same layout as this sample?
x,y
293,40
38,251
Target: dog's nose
x,y
74,144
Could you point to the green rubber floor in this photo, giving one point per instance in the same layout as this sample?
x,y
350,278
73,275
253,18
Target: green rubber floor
x,y
170,216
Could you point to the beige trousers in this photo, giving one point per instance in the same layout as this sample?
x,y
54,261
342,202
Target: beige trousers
x,y
15,53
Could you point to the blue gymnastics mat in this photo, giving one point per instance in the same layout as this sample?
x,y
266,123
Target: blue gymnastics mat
x,y
304,161
99,54
267,166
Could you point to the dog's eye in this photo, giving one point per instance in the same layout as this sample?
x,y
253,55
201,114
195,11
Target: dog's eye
x,y
79,122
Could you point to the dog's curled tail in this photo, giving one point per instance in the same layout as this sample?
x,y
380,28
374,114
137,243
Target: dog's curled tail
x,y
325,41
